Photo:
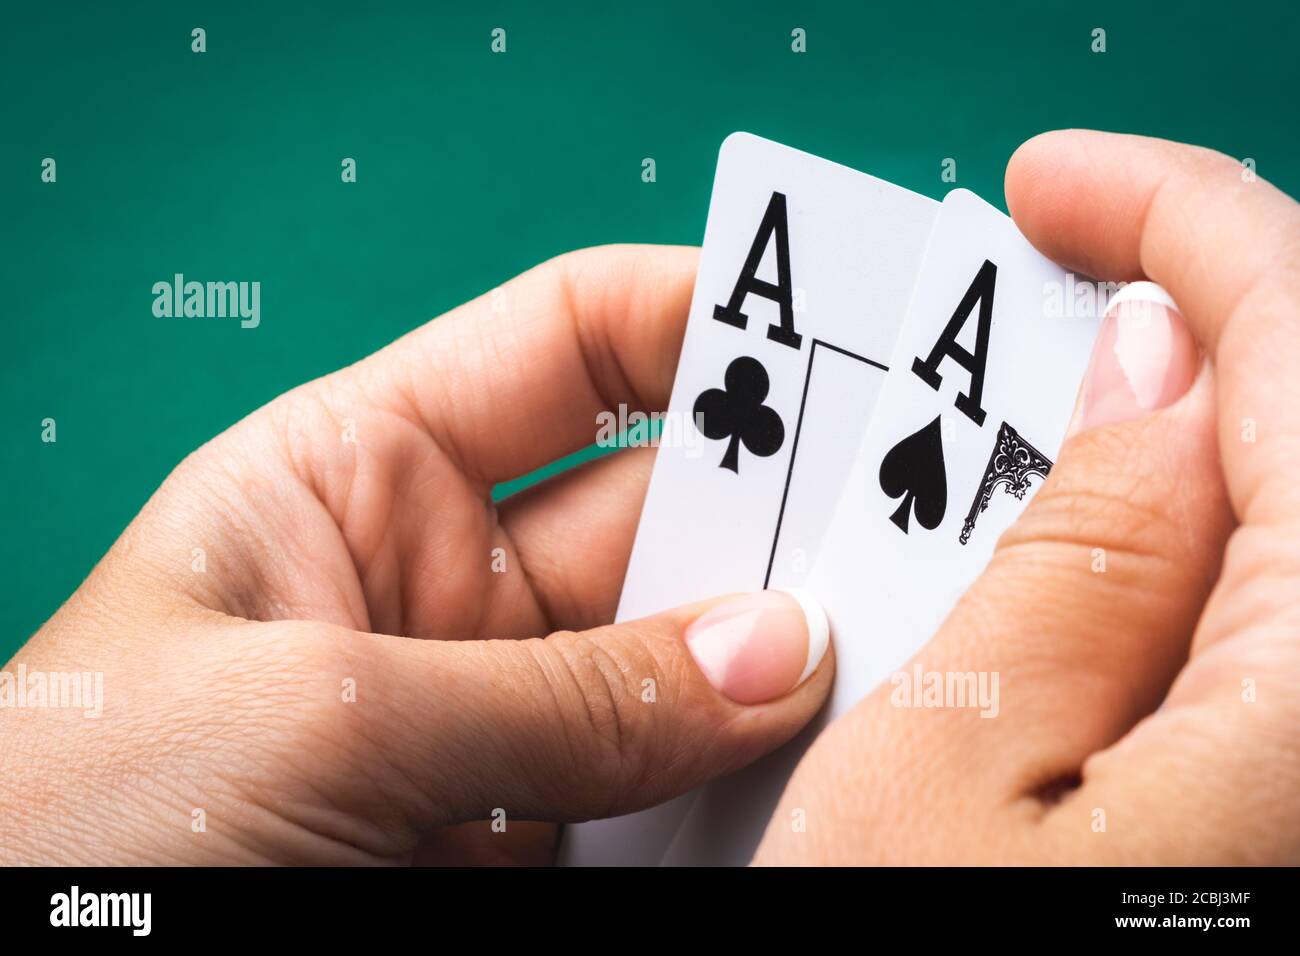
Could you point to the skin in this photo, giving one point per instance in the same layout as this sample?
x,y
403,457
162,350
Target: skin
x,y
1120,691
224,689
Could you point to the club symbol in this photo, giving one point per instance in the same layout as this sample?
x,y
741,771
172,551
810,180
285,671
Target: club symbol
x,y
737,412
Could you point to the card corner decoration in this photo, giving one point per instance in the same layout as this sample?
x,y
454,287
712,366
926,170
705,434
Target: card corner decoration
x,y
1011,464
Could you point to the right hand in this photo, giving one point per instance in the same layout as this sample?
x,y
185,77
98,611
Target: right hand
x,y
1158,698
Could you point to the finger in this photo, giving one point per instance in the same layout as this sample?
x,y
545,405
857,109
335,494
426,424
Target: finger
x,y
1219,757
1209,779
1109,566
595,723
1225,245
1085,612
516,378
573,536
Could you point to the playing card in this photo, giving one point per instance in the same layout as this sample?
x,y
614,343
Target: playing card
x,y
981,386
969,422
804,262
804,278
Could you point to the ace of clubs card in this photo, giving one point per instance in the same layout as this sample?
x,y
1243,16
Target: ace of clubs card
x,y
804,279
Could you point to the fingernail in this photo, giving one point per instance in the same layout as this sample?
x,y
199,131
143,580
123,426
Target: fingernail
x,y
760,646
1145,358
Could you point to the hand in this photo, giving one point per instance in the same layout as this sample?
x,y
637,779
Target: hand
x,y
255,711
1148,705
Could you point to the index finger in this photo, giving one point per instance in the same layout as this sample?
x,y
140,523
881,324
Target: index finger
x,y
516,378
1226,245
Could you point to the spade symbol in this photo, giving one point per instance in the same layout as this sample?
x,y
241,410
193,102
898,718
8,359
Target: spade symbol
x,y
737,412
914,469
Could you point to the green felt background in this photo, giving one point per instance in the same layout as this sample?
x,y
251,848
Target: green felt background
x,y
472,166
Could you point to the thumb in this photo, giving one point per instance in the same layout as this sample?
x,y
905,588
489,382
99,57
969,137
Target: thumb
x,y
610,720
1086,611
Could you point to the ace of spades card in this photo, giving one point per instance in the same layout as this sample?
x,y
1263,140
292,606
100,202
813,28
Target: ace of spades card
x,y
804,278
969,423
972,413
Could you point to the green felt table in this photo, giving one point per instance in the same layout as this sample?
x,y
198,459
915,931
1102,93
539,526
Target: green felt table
x,y
471,166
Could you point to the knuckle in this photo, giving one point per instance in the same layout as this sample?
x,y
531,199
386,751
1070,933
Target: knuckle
x,y
1132,516
591,689
1261,570
595,681
579,259
1209,163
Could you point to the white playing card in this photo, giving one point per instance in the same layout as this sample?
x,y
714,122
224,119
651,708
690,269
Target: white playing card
x,y
804,278
855,243
885,601
886,591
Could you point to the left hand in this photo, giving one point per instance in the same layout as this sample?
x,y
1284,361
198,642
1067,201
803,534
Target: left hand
x,y
241,622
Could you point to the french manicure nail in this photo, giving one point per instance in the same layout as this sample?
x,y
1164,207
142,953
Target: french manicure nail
x,y
1145,359
760,646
